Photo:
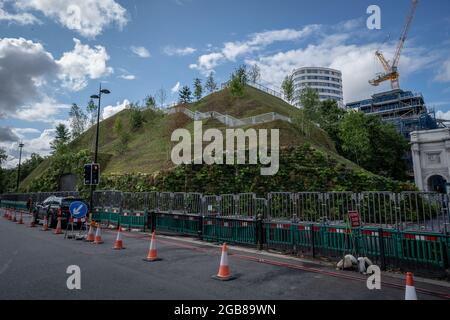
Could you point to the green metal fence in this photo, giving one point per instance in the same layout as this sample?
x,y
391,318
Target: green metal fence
x,y
237,231
177,223
406,230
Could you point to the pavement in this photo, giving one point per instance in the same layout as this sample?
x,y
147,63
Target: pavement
x,y
33,265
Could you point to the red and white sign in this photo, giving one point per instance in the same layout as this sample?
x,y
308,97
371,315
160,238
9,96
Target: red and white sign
x,y
355,219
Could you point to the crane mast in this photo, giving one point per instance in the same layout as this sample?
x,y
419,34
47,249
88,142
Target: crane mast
x,y
391,71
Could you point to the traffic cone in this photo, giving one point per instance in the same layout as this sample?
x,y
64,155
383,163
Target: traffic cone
x,y
410,293
152,254
14,218
20,219
10,215
58,229
224,269
118,245
98,235
45,225
90,236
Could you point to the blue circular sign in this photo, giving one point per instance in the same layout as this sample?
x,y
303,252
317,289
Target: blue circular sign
x,y
78,209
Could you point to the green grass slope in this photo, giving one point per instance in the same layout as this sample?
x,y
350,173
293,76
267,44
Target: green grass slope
x,y
150,146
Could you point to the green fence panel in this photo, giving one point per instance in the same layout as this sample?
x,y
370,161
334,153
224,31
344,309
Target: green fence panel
x,y
113,215
302,236
339,239
423,248
169,222
279,235
191,225
138,220
229,230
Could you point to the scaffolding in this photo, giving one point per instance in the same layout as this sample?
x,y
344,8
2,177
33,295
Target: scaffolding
x,y
406,110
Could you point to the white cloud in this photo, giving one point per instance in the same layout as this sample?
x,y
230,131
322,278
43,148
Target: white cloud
x,y
444,72
127,77
28,71
43,111
443,115
109,111
87,17
257,41
18,18
22,132
141,52
357,63
82,63
25,67
171,51
8,134
39,145
176,88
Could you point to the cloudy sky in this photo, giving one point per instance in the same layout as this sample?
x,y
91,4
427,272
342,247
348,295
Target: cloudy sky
x,y
54,53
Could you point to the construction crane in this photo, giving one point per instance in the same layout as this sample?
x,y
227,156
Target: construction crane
x,y
391,71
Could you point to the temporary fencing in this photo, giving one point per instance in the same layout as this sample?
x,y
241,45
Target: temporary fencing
x,y
398,230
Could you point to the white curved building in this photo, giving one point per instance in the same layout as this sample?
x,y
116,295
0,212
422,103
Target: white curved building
x,y
327,82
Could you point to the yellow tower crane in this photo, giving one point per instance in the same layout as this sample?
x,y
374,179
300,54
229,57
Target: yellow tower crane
x,y
391,71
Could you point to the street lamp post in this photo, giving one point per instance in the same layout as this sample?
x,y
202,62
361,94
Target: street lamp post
x,y
18,168
99,98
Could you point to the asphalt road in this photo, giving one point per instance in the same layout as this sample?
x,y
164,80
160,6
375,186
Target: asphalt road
x,y
33,266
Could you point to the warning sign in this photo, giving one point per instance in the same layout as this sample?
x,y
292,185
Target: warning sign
x,y
354,218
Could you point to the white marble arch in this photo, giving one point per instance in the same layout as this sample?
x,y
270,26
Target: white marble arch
x,y
431,157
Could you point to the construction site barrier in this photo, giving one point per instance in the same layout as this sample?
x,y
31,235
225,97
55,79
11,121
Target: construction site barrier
x,y
405,230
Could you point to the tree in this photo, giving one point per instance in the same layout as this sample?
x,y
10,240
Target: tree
x,y
185,95
238,81
3,156
3,175
254,74
211,85
61,140
373,144
288,88
161,95
150,102
330,116
30,164
310,101
198,89
92,112
136,116
77,120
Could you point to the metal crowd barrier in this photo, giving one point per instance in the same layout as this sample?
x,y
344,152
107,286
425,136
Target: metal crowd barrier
x,y
397,229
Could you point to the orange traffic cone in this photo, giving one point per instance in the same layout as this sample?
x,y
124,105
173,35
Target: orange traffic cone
x,y
20,219
58,229
14,218
410,293
90,236
224,269
118,245
45,225
10,215
98,235
152,254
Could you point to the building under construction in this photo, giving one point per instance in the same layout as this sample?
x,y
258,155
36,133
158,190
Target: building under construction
x,y
405,109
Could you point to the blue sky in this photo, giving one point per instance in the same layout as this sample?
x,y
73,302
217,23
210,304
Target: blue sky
x,y
54,53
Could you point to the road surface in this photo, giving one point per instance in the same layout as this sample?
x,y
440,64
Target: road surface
x,y
33,265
